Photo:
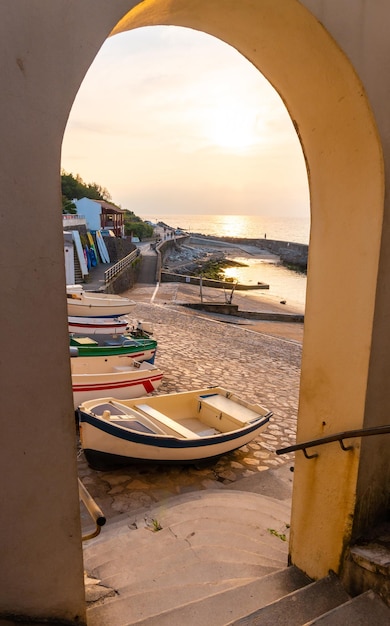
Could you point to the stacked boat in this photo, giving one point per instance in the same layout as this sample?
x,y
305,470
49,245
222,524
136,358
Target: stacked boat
x,y
112,370
122,376
107,354
113,345
96,304
97,325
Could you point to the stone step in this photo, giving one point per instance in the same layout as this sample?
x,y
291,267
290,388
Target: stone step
x,y
128,609
215,499
256,533
240,508
216,608
374,557
215,574
229,533
185,570
368,566
299,607
197,537
211,543
368,608
195,521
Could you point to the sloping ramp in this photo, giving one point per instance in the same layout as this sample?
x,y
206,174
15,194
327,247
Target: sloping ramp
x,y
147,274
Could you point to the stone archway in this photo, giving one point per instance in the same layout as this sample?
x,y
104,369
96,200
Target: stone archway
x,y
336,128
46,51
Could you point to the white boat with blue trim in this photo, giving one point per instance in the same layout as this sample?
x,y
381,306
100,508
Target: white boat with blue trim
x,y
95,304
179,427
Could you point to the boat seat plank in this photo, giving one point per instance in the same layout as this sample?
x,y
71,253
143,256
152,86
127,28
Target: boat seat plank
x,y
84,341
235,410
133,424
123,409
167,421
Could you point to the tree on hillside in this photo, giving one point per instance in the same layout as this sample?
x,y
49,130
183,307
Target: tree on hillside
x,y
68,206
137,227
74,188
96,192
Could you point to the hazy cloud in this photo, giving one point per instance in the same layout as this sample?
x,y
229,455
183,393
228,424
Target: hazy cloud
x,y
169,119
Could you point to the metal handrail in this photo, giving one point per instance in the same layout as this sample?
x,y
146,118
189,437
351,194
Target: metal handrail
x,y
94,511
121,265
347,434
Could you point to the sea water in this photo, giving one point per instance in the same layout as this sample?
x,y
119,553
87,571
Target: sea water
x,y
284,284
295,229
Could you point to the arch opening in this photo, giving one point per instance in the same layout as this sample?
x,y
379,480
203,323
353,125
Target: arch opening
x,y
334,122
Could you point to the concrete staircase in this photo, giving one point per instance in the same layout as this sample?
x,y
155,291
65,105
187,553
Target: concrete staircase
x,y
211,558
78,275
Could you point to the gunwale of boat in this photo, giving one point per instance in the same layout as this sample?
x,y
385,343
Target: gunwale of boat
x,y
183,409
96,365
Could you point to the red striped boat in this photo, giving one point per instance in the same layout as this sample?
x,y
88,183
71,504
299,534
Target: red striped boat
x,y
101,325
122,376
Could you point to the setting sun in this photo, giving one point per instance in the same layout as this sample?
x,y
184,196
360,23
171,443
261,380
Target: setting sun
x,y
232,126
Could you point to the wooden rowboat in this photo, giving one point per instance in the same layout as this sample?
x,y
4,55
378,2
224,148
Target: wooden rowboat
x,y
179,427
94,377
112,345
92,304
108,326
100,325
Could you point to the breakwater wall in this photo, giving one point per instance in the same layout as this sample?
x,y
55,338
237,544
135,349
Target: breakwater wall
x,y
171,277
290,253
232,309
164,247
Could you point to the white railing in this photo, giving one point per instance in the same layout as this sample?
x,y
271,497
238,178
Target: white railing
x,y
121,265
73,219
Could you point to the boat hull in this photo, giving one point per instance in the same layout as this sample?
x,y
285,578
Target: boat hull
x,y
106,444
138,349
124,453
125,381
91,304
87,308
97,325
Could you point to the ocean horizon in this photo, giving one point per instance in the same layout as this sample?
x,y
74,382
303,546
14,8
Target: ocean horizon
x,y
294,229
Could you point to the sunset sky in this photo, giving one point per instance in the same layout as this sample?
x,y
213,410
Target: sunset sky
x,y
171,120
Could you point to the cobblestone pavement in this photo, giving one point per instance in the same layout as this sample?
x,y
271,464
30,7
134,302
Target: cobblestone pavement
x,y
194,352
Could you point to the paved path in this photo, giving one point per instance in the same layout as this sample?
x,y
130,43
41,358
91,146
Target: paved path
x,y
196,351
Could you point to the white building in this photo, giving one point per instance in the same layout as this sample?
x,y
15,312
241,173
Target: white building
x,y
101,214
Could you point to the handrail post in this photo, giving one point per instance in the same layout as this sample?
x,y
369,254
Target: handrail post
x,y
93,509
